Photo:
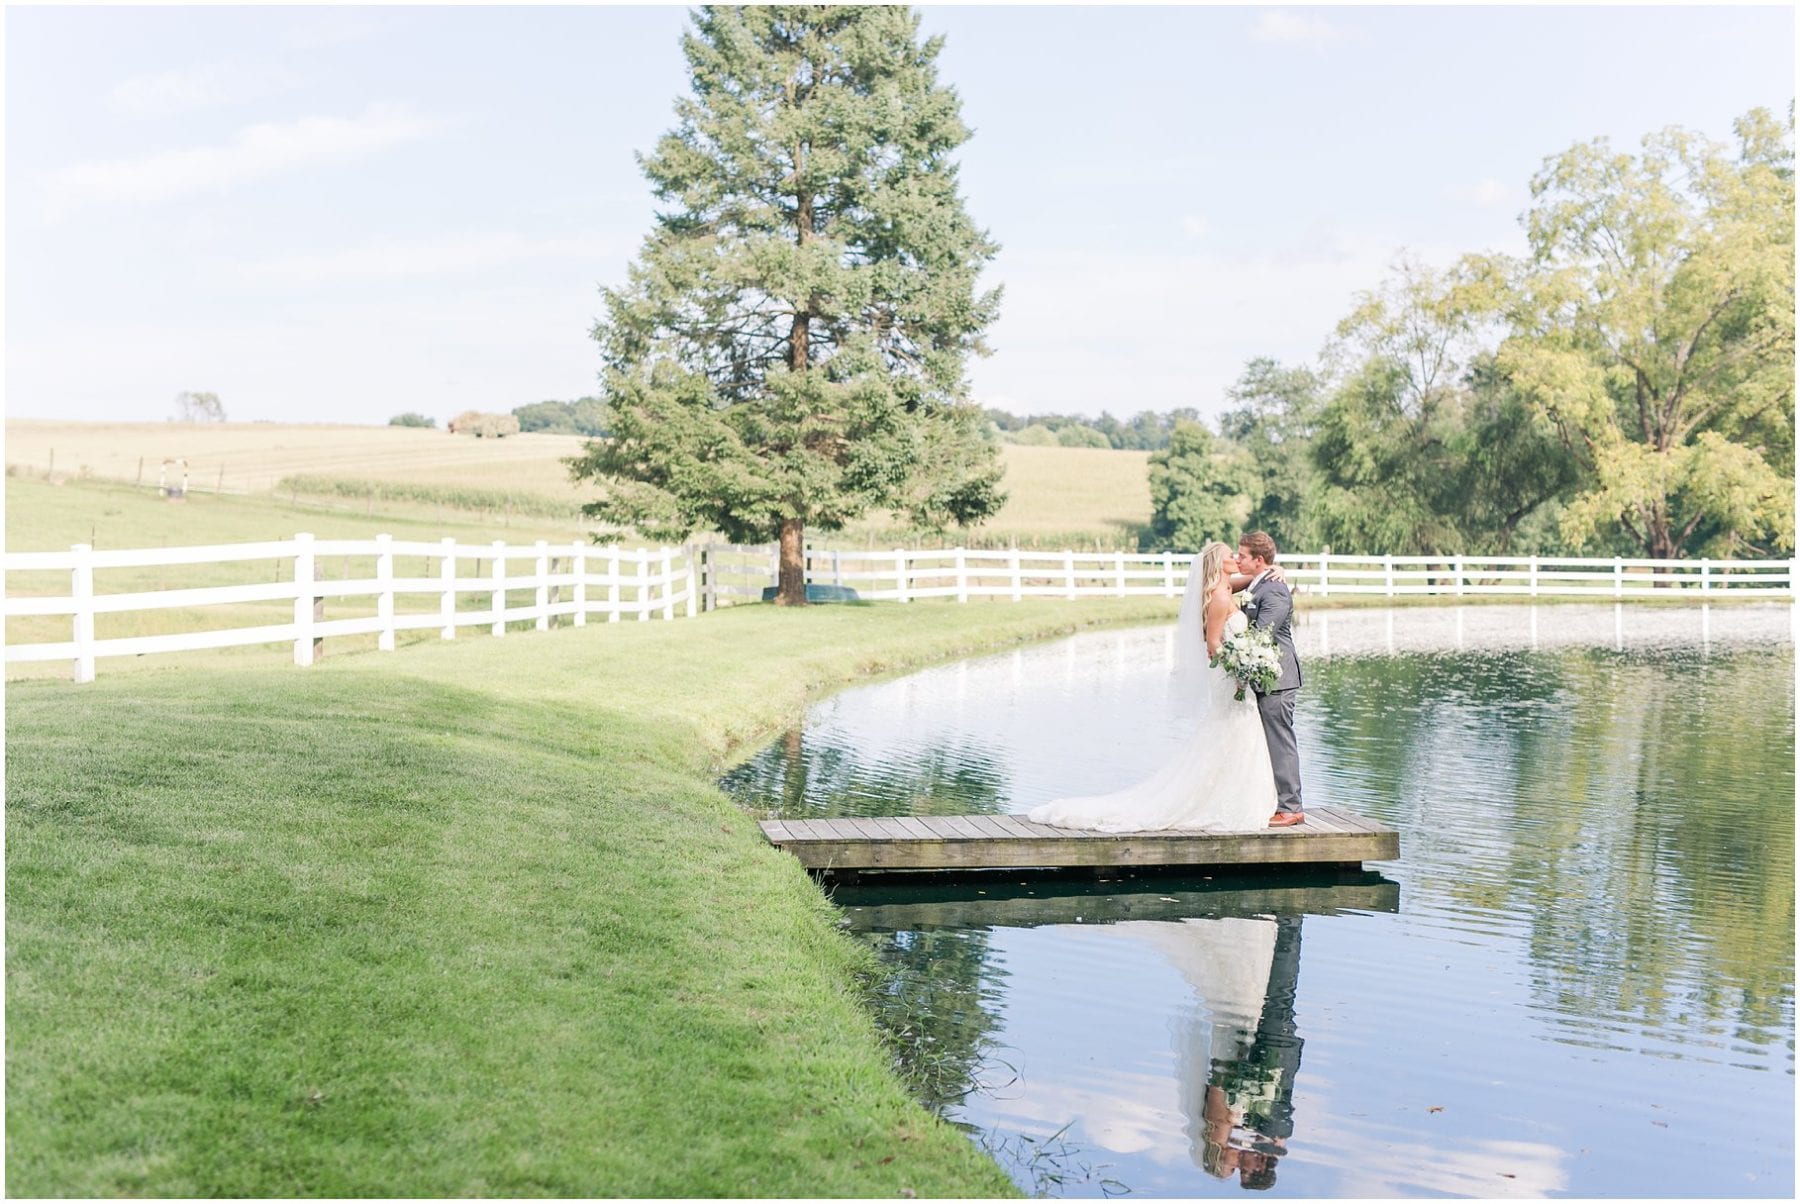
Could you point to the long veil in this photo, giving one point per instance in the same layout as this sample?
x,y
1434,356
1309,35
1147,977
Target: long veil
x,y
1187,691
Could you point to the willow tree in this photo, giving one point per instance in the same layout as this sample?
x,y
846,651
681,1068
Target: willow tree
x,y
789,348
1653,330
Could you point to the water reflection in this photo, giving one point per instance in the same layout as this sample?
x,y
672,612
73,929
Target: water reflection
x,y
1596,952
1235,1048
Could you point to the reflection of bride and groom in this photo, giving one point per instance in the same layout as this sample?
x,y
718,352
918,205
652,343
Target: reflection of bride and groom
x,y
1239,769
1236,1063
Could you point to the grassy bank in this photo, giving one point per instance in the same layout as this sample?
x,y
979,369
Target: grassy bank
x,y
462,919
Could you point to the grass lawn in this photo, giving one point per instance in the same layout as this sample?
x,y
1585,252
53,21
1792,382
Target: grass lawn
x,y
466,918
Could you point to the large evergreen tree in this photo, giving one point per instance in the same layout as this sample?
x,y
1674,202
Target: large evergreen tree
x,y
789,349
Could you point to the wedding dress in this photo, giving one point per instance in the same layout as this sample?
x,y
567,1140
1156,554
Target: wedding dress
x,y
1218,781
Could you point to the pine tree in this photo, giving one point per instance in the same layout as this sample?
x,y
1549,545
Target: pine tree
x,y
789,349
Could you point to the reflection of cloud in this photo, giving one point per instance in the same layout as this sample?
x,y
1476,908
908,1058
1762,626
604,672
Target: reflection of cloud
x,y
1120,1111
261,150
1479,1168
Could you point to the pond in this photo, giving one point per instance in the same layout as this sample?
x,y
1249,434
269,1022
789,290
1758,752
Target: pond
x,y
1578,979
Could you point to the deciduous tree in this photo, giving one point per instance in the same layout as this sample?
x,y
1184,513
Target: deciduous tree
x,y
1653,330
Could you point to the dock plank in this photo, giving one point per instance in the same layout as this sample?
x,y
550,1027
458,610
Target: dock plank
x,y
960,827
991,826
1332,835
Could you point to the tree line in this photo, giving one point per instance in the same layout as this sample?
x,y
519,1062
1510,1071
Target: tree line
x,y
1626,388
1146,431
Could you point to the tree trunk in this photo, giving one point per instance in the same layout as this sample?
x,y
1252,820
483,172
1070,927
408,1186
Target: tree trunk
x,y
792,579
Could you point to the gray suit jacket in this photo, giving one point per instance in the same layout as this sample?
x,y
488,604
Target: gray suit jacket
x,y
1271,606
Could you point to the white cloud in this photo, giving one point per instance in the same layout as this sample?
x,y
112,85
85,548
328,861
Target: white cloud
x,y
1195,225
1279,26
1084,331
187,88
258,151
460,253
1488,194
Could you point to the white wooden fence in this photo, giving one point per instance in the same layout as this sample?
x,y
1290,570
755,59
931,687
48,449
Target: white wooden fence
x,y
735,571
571,582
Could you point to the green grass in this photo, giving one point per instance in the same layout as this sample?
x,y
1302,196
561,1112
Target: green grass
x,y
451,497
467,918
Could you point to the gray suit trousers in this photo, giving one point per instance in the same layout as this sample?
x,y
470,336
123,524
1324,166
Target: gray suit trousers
x,y
1277,708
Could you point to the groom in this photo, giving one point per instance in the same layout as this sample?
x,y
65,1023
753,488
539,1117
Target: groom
x,y
1269,605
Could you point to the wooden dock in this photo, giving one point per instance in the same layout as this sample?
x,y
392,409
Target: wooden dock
x,y
900,904
1330,836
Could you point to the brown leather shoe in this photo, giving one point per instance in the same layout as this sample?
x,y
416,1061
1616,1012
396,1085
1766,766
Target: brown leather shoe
x,y
1287,819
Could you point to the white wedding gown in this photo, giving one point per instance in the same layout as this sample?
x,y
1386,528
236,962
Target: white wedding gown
x,y
1218,781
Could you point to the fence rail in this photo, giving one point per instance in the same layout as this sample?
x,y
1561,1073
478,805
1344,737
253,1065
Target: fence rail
x,y
572,582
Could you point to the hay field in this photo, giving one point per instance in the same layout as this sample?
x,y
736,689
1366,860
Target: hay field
x,y
1076,497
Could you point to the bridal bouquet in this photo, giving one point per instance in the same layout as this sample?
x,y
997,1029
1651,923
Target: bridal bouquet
x,y
1252,657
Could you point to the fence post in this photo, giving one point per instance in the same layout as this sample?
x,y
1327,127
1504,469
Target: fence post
x,y
612,586
962,577
447,577
1119,566
384,592
1534,582
709,585
1618,577
499,588
837,569
81,582
1325,574
1387,572
579,560
1457,564
668,582
900,573
1706,576
643,584
303,601
1069,574
1168,574
541,571
693,581
1012,567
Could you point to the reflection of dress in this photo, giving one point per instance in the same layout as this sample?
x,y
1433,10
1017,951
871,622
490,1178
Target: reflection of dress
x,y
1219,781
1227,962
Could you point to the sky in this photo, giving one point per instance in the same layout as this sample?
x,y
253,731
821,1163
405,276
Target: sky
x,y
339,214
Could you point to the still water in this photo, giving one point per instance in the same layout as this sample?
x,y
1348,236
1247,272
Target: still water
x,y
1578,980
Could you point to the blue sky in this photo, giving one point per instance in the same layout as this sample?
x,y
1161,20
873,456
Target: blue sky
x,y
336,214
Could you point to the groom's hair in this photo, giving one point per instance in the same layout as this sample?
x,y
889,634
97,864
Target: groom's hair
x,y
1260,545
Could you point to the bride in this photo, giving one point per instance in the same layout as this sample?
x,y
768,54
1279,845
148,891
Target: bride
x,y
1220,780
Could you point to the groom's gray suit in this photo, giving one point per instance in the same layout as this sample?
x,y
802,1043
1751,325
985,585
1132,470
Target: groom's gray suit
x,y
1269,605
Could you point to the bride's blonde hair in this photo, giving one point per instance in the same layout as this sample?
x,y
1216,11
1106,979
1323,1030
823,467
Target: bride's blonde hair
x,y
1212,560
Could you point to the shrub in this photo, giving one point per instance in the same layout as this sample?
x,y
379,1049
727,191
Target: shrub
x,y
411,419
